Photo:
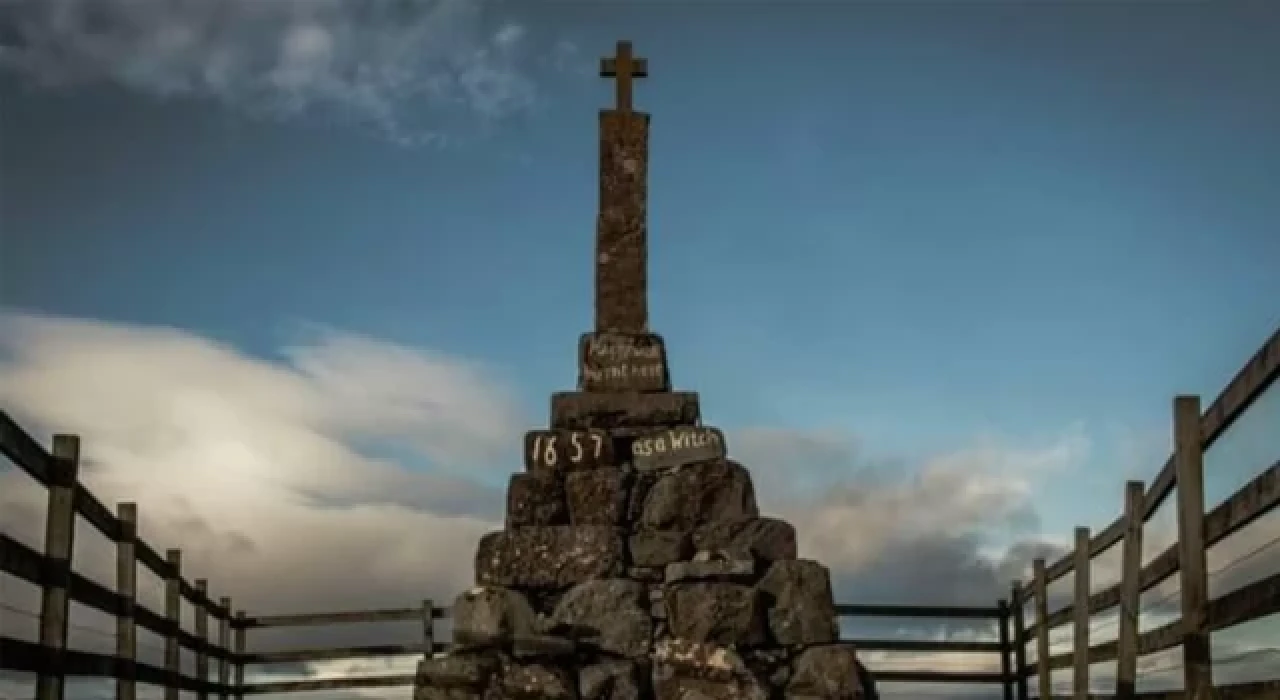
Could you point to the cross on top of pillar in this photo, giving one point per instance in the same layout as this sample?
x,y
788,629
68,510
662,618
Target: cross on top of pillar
x,y
624,67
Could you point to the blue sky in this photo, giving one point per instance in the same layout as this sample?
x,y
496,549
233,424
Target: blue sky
x,y
915,224
919,226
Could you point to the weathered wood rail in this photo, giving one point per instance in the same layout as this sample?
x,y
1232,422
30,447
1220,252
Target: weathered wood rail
x,y
1194,433
52,571
52,661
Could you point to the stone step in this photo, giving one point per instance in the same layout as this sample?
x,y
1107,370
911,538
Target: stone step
x,y
577,410
609,362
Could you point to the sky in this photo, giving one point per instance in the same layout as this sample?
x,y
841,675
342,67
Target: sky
x,y
306,271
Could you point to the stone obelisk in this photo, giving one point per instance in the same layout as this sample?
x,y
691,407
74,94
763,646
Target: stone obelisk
x,y
622,355
634,562
621,226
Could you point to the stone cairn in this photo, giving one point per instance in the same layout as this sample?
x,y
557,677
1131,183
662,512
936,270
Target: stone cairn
x,y
635,563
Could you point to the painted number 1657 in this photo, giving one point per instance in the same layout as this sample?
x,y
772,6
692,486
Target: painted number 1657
x,y
550,449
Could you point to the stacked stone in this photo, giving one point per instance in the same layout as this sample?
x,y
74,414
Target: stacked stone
x,y
635,563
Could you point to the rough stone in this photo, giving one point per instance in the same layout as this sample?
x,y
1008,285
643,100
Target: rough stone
x,y
657,548
688,670
457,670
621,226
536,498
555,556
668,684
622,362
609,614
490,616
598,497
710,661
772,664
543,600
800,604
712,492
641,485
677,447
573,410
527,646
537,681
827,671
718,569
613,680
646,574
761,538
715,612
428,691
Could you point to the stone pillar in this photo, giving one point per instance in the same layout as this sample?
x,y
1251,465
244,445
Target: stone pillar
x,y
622,226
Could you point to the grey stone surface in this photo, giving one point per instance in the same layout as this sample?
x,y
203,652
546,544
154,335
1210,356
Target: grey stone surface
x,y
536,498
457,670
427,691
801,608
826,671
676,447
706,493
575,410
646,574
537,681
554,556
716,613
687,670
490,616
598,496
706,660
657,548
611,362
609,614
719,569
762,538
641,485
613,680
526,646
562,451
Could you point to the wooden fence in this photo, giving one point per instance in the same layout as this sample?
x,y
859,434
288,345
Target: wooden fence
x,y
1197,531
51,659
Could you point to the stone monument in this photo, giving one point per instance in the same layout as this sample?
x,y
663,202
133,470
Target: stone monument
x,y
634,563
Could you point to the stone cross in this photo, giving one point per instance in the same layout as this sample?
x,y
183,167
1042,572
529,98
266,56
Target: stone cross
x,y
624,67
621,227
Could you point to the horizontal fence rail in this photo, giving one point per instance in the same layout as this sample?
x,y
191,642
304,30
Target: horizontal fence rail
x,y
51,570
1194,432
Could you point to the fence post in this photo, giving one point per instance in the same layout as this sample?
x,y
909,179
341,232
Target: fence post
x,y
224,643
1003,607
1019,640
428,627
173,615
1042,629
59,536
240,649
1130,592
1189,465
202,633
1080,617
127,589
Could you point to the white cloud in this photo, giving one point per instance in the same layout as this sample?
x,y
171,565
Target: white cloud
x,y
404,68
253,468
891,532
260,471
